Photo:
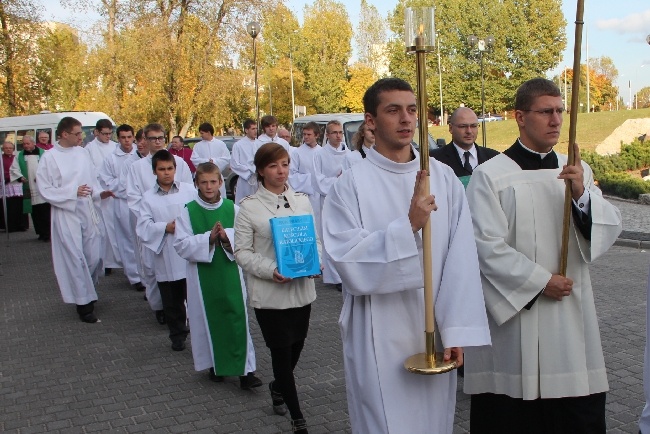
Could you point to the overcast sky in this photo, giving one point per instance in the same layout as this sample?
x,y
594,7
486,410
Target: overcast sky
x,y
616,29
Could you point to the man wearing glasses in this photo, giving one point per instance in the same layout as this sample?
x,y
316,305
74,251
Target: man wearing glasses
x,y
140,177
462,154
66,179
544,372
99,149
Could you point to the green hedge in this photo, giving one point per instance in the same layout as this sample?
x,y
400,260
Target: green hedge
x,y
611,171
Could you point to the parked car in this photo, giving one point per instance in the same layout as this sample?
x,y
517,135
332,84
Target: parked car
x,y
490,118
230,178
350,122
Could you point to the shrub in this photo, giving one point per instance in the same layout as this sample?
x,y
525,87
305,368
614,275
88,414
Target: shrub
x,y
623,185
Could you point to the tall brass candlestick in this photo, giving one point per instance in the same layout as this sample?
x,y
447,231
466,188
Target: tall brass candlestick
x,y
429,362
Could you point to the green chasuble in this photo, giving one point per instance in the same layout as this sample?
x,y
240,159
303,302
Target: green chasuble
x,y
27,194
221,290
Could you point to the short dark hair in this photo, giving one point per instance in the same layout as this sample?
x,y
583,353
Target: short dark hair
x,y
249,123
206,128
312,126
268,153
103,123
371,97
207,167
268,120
66,124
153,127
179,138
530,90
139,135
124,128
162,155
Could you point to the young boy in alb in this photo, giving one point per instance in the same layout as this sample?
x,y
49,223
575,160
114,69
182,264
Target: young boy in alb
x,y
216,293
160,207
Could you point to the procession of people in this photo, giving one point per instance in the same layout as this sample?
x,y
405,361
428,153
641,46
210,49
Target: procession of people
x,y
527,335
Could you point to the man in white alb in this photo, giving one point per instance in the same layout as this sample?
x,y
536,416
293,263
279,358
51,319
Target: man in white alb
x,y
375,243
301,176
269,126
241,161
211,150
66,179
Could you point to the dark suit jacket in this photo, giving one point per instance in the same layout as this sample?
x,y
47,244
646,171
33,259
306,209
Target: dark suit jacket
x,y
448,155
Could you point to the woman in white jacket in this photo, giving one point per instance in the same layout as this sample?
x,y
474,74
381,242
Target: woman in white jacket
x,y
282,305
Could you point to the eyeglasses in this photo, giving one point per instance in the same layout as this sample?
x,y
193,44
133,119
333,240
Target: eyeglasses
x,y
548,112
74,134
464,126
156,139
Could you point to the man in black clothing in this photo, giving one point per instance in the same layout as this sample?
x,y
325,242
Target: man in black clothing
x,y
462,154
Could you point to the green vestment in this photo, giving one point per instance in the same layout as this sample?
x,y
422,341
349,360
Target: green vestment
x,y
223,301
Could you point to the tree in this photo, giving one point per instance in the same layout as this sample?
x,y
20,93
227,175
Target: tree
x,y
361,78
370,37
643,97
602,92
324,53
529,38
17,35
59,85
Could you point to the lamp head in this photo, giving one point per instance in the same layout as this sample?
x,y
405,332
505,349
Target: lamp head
x,y
489,41
647,39
472,41
253,28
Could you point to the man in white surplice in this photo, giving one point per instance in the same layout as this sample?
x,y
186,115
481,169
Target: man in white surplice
x,y
269,124
241,161
328,166
545,371
141,178
371,227
99,149
110,178
66,179
212,150
301,176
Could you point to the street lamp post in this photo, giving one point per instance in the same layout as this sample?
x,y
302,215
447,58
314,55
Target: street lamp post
x,y
442,111
293,96
253,28
482,45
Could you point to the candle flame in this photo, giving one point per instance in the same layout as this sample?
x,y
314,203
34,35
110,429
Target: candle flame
x,y
421,30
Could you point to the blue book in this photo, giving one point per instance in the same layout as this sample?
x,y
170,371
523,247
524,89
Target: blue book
x,y
296,251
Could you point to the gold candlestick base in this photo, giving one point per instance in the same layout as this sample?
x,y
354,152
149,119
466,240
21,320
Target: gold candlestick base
x,y
424,365
430,362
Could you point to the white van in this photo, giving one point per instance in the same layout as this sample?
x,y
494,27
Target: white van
x,y
350,123
14,128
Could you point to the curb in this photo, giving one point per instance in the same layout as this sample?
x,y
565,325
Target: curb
x,y
635,244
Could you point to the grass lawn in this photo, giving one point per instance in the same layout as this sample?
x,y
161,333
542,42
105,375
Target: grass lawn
x,y
592,129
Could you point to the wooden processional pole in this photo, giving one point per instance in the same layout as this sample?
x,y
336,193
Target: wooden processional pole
x,y
573,120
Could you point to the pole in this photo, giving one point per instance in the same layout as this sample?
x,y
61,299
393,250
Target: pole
x,y
257,93
442,110
4,196
566,95
293,97
587,55
480,53
573,118
270,94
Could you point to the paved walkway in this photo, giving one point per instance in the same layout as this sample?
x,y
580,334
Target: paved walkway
x,y
60,375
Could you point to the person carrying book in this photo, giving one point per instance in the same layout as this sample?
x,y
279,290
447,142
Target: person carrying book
x,y
216,292
282,305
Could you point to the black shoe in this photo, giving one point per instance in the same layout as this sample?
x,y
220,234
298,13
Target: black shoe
x,y
145,297
278,402
89,318
214,377
178,345
339,287
299,426
139,287
247,382
46,239
160,317
108,271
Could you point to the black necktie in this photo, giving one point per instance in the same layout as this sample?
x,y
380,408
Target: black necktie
x,y
467,166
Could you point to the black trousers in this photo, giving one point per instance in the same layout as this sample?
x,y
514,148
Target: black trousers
x,y
173,296
41,219
491,413
284,361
